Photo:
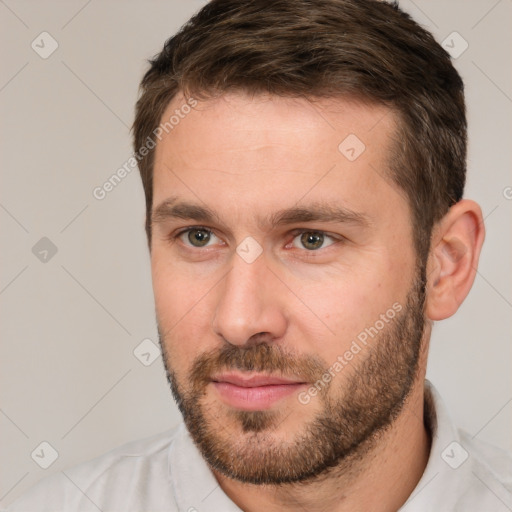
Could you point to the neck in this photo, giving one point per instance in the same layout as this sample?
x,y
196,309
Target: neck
x,y
381,480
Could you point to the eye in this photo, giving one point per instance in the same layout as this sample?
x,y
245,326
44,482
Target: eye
x,y
312,240
196,237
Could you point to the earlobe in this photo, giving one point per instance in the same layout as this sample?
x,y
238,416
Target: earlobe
x,y
453,259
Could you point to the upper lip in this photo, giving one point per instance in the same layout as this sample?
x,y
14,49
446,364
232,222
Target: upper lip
x,y
253,380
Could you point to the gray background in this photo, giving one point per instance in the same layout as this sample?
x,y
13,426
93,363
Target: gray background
x,y
70,324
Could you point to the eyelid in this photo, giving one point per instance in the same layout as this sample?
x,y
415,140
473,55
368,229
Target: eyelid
x,y
190,228
300,231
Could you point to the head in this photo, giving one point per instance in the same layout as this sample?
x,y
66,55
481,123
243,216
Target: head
x,y
303,170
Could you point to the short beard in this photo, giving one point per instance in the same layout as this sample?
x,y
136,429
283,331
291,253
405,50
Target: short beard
x,y
345,429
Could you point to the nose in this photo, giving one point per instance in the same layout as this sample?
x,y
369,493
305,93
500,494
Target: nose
x,y
248,304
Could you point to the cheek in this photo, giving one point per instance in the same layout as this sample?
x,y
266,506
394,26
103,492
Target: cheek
x,y
340,312
341,308
178,288
181,311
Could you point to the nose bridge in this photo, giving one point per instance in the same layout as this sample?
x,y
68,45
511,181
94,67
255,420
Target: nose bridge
x,y
246,304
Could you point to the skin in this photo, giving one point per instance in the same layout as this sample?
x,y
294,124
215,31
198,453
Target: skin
x,y
245,158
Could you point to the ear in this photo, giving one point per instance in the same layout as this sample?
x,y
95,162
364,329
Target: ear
x,y
453,259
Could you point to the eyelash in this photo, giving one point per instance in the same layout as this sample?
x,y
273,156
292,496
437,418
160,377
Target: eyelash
x,y
295,233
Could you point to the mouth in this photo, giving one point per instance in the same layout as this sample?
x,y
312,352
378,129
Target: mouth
x,y
254,392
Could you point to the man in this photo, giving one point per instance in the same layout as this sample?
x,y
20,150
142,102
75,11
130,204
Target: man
x,y
303,164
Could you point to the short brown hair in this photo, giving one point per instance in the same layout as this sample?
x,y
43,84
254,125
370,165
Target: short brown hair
x,y
369,49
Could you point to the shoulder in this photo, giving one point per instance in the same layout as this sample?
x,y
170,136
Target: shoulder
x,y
489,460
133,476
484,476
463,473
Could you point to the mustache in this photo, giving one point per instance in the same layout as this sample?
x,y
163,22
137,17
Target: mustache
x,y
262,357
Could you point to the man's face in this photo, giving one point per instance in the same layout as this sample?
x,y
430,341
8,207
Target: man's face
x,y
291,316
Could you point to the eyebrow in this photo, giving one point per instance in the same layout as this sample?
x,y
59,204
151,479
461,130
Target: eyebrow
x,y
314,212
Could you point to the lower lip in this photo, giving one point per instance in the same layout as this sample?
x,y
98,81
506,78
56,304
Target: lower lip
x,y
256,398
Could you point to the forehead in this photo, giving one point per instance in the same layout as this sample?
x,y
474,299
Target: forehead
x,y
273,119
263,151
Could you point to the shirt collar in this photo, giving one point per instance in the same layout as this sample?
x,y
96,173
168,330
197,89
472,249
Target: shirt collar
x,y
446,456
195,487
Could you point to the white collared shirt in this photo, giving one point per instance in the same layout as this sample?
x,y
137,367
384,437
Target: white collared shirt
x,y
167,473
